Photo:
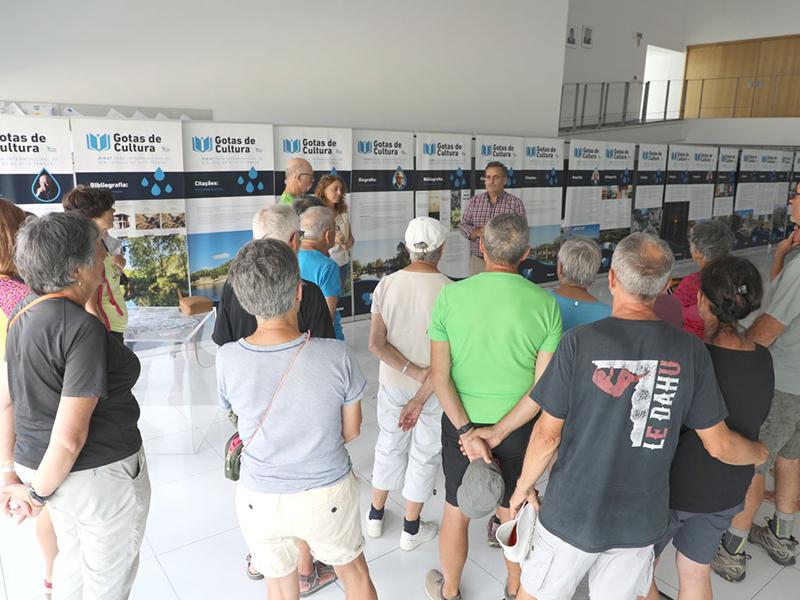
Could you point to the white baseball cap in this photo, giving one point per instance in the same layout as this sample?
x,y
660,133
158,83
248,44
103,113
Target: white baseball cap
x,y
516,537
425,234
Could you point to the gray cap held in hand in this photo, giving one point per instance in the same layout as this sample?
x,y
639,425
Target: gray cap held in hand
x,y
481,489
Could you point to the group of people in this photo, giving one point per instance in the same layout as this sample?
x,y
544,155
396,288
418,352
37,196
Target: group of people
x,y
651,434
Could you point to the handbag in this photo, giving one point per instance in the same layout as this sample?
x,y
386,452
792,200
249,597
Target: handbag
x,y
234,448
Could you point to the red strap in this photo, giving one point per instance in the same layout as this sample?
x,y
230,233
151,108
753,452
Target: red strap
x,y
35,302
252,437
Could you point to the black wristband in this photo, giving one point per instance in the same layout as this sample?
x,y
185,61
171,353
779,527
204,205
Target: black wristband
x,y
465,428
37,497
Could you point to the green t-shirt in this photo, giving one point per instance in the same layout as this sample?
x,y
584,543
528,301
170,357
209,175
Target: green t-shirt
x,y
286,198
784,305
496,323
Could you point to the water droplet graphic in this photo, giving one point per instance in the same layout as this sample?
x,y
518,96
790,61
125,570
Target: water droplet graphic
x,y
145,183
463,182
168,189
452,177
155,190
45,187
334,171
249,187
252,173
459,171
240,180
260,186
159,174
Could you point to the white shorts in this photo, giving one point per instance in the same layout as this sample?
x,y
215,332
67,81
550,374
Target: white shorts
x,y
554,568
327,518
407,459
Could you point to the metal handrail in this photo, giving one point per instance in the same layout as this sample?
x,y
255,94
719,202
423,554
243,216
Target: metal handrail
x,y
593,105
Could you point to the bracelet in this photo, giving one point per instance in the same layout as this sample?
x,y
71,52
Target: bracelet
x,y
405,367
7,463
8,470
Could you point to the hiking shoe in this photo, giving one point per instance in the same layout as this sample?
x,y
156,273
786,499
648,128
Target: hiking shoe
x,y
374,526
434,581
491,531
731,567
780,550
427,531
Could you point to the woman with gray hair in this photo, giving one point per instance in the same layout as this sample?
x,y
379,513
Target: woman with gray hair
x,y
298,402
78,449
707,241
579,261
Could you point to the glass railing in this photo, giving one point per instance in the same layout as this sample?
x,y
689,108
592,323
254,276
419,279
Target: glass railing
x,y
620,103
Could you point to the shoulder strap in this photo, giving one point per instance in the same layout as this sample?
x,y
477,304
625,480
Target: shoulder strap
x,y
280,385
34,303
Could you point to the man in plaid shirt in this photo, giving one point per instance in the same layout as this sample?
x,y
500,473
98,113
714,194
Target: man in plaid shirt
x,y
482,207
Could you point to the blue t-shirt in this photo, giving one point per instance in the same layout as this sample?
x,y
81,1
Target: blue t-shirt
x,y
575,312
319,269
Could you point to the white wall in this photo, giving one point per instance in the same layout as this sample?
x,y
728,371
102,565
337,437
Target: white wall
x,y
661,133
748,132
460,66
709,21
615,55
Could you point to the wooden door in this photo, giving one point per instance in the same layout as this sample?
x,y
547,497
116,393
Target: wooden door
x,y
717,79
776,92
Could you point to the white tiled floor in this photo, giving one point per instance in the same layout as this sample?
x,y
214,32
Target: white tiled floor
x,y
193,549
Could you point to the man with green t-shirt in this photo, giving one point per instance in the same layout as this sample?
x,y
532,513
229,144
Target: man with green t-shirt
x,y
299,179
492,336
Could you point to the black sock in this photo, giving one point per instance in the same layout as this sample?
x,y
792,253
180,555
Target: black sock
x,y
411,527
732,543
374,513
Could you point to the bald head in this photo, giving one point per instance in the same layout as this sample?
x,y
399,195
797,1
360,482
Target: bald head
x,y
299,176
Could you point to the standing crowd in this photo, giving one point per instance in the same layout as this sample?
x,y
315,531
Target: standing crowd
x,y
657,417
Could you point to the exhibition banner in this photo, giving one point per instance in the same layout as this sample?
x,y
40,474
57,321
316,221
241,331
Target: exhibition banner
x,y
677,197
725,189
330,151
381,206
141,164
616,180
542,179
584,190
444,190
650,179
763,184
701,190
35,162
228,174
783,187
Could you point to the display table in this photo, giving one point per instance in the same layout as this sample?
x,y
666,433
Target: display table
x,y
177,386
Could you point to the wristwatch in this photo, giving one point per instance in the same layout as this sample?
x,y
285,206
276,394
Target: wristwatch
x,y
36,497
465,428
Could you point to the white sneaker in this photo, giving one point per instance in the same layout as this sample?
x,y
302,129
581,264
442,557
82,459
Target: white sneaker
x,y
427,531
374,527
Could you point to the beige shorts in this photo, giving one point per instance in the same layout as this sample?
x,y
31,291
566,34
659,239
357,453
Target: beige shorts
x,y
327,518
554,568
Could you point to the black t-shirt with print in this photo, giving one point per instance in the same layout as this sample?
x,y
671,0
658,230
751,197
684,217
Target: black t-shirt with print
x,y
234,323
699,482
58,349
625,388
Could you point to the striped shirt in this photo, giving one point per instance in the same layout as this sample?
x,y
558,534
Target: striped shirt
x,y
481,209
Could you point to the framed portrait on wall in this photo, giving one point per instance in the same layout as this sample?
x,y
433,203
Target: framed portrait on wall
x,y
572,36
587,36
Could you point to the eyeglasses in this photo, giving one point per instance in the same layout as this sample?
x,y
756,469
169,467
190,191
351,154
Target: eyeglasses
x,y
310,175
301,235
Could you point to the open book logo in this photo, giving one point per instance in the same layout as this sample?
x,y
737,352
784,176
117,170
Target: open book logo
x,y
98,143
364,147
201,144
291,146
429,149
